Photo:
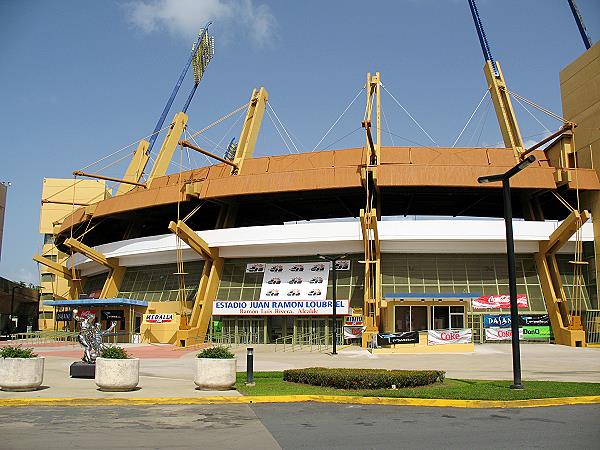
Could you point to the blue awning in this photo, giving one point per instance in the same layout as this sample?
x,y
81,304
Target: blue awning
x,y
97,302
430,295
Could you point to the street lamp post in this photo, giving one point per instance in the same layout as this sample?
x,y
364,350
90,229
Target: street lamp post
x,y
510,250
333,260
12,304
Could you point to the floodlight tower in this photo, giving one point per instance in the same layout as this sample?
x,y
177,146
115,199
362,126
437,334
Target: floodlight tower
x,y
201,54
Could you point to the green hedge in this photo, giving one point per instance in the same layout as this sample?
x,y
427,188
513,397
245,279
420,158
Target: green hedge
x,y
12,351
363,378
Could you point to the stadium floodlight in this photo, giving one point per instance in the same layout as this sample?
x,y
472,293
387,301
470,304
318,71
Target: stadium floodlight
x,y
203,55
510,250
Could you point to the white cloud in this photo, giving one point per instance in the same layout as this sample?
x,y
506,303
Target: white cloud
x,y
186,17
22,274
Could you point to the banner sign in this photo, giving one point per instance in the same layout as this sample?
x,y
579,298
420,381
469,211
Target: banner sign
x,y
341,264
353,332
280,308
498,301
86,312
503,320
499,334
354,321
112,314
64,316
536,320
295,281
158,318
255,268
438,337
525,333
402,337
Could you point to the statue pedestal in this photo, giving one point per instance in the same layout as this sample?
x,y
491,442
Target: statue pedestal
x,y
80,369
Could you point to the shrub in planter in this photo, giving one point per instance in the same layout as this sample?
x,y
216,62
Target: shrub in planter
x,y
20,369
363,378
215,369
116,370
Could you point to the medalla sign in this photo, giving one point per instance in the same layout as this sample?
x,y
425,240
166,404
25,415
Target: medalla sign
x,y
280,308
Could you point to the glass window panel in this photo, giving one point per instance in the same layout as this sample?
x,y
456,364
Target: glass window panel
x,y
457,321
457,309
441,317
234,294
402,318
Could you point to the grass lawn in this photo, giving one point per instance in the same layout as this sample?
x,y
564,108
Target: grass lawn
x,y
271,383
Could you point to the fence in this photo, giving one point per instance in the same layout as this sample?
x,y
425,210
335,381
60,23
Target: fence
x,y
591,324
44,337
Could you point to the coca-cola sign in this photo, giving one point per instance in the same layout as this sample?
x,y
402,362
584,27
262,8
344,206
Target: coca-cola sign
x,y
498,302
438,337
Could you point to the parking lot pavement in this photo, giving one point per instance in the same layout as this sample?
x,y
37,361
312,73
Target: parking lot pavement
x,y
297,426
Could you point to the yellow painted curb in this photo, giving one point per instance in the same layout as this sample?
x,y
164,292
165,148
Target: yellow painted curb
x,y
300,398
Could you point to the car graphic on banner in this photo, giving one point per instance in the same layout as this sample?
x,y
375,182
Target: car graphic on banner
x,y
292,281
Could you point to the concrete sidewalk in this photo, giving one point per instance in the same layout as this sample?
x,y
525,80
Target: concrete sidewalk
x,y
165,372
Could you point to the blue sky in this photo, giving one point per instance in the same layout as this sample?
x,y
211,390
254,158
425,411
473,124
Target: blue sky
x,y
81,79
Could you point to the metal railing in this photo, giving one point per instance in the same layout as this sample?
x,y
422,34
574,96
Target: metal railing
x,y
591,325
44,337
306,341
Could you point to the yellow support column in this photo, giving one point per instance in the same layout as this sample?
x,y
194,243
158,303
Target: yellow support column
x,y
504,109
136,168
251,127
64,272
168,148
115,274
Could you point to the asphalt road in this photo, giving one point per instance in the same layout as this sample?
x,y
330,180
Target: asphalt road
x,y
298,425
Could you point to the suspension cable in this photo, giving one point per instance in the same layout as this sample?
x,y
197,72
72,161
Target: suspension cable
x,y
387,125
278,132
535,105
124,148
282,126
470,118
225,117
532,115
409,115
338,119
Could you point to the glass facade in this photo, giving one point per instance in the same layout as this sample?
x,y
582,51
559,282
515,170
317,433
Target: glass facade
x,y
160,283
486,274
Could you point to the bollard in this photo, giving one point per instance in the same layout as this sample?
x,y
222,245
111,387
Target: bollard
x,y
250,367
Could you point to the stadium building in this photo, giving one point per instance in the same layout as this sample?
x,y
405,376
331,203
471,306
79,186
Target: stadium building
x,y
230,252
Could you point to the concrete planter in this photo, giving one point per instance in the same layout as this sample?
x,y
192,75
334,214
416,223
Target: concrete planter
x,y
215,374
117,374
21,374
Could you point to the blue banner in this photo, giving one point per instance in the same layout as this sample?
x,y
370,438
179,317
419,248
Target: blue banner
x,y
503,320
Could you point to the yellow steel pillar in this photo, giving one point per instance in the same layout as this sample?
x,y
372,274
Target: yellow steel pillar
x,y
165,155
369,215
64,272
207,287
136,168
251,127
565,326
115,272
505,113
